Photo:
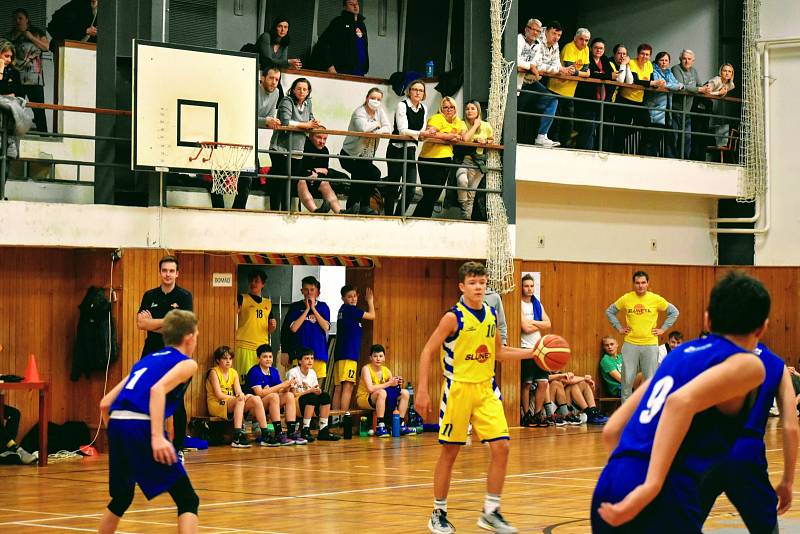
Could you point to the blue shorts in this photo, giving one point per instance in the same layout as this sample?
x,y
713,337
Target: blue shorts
x,y
675,509
747,486
131,460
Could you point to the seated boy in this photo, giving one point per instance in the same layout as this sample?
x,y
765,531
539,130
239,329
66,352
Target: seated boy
x,y
310,395
580,393
224,396
264,381
348,344
378,390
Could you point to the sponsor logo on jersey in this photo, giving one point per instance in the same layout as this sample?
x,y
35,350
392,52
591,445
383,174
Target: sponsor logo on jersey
x,y
697,349
481,355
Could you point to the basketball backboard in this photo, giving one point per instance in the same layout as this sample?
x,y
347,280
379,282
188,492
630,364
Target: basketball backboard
x,y
183,95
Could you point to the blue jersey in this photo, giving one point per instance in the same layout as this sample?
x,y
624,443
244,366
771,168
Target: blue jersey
x,y
750,444
348,333
711,433
310,335
257,377
135,395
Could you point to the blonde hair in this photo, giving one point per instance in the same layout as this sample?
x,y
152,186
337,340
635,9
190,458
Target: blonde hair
x,y
477,105
178,324
733,71
8,45
449,99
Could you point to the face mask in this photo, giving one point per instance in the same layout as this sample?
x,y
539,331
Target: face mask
x,y
374,104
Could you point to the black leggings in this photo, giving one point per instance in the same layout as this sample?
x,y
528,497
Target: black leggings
x,y
360,169
431,175
391,192
9,426
276,187
35,93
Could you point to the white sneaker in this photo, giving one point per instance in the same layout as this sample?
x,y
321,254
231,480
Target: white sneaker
x,y
543,141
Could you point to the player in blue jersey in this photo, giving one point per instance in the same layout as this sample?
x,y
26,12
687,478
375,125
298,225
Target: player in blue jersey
x,y
348,344
134,413
743,475
683,420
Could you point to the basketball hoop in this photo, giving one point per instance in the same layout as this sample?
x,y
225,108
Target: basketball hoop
x,y
226,163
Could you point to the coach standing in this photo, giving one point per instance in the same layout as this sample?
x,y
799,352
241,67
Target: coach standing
x,y
640,350
156,303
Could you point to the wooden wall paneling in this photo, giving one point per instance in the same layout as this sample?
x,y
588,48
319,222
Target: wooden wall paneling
x,y
509,372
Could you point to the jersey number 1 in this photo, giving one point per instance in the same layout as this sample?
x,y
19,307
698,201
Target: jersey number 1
x,y
135,378
657,398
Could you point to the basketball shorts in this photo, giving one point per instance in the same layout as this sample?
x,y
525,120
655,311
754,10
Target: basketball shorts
x,y
345,371
531,372
131,460
217,408
243,360
675,509
315,399
365,403
479,404
747,486
320,368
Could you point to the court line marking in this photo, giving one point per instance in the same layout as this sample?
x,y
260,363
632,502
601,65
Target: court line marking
x,y
29,524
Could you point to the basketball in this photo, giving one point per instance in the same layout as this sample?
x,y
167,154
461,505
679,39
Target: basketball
x,y
551,352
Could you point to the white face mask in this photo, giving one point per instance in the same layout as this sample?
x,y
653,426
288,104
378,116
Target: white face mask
x,y
374,104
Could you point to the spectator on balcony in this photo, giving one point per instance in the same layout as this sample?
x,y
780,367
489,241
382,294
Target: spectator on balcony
x,y
478,131
657,103
343,47
686,74
294,110
532,95
547,60
575,55
444,126
720,86
29,42
369,117
273,46
315,166
76,21
409,119
642,71
622,63
10,77
601,68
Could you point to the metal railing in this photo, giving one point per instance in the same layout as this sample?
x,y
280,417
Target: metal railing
x,y
291,177
626,135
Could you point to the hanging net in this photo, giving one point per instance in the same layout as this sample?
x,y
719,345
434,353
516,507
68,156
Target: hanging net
x,y
226,161
752,183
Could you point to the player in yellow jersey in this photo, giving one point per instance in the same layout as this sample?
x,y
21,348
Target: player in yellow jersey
x,y
467,342
256,323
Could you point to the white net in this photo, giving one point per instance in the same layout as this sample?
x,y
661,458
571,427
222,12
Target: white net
x,y
499,259
752,183
227,161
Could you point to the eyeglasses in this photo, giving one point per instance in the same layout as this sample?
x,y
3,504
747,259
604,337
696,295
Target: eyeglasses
x,y
448,107
417,90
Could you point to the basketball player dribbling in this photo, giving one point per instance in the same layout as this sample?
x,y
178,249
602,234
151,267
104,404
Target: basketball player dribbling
x,y
467,342
686,418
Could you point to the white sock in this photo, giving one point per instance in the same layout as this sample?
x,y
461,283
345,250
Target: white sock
x,y
306,422
323,422
491,503
440,504
381,424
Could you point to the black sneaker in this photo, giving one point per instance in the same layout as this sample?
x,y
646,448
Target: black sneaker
x,y
325,207
306,434
540,420
557,419
326,435
240,441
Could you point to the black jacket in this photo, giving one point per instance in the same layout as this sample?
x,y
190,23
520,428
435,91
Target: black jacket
x,y
96,339
71,20
589,90
336,46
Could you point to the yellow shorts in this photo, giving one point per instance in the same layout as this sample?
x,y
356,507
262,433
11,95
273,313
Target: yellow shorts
x,y
345,371
217,408
363,403
320,368
465,403
243,360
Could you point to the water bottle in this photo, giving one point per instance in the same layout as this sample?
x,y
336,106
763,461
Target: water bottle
x,y
429,69
395,424
363,428
348,426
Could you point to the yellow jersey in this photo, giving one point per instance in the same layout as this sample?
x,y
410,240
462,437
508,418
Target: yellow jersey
x,y
226,385
641,314
363,394
644,73
468,355
570,55
253,323
439,150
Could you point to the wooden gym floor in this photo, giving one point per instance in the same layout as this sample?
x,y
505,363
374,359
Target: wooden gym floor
x,y
361,486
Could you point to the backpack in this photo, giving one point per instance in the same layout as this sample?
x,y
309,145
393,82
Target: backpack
x,y
96,338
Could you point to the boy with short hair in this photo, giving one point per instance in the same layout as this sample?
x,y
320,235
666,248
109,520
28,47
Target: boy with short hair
x,y
264,381
256,322
379,390
134,413
310,396
348,344
468,343
308,323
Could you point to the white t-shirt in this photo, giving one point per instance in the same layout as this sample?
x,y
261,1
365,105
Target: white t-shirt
x,y
303,382
527,341
662,353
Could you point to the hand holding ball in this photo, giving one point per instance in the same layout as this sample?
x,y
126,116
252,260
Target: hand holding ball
x,y
551,353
